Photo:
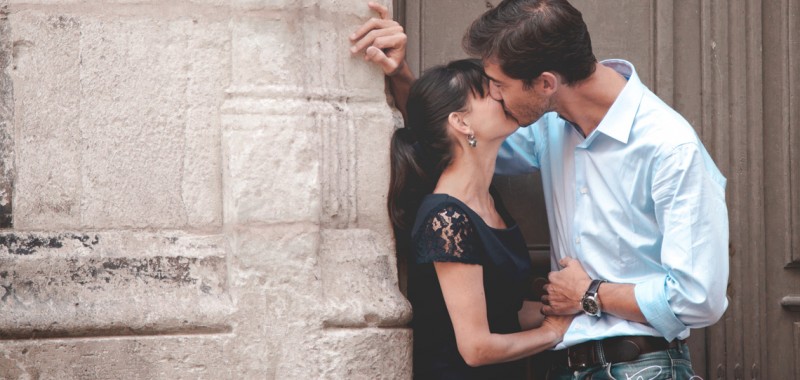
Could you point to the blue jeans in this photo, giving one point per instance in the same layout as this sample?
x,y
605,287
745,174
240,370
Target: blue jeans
x,y
671,364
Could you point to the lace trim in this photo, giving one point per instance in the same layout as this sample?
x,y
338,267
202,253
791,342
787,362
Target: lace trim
x,y
448,235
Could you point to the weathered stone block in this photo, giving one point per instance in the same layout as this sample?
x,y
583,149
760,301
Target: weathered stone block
x,y
7,169
139,117
333,64
164,357
125,112
375,126
272,173
202,168
281,264
269,50
271,5
360,281
275,255
13,2
209,45
46,75
133,90
278,290
371,353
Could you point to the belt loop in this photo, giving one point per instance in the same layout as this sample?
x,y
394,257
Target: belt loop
x,y
569,359
598,348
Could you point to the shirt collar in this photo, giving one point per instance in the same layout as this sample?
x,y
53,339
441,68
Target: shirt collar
x,y
618,121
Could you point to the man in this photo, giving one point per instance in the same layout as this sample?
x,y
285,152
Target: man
x,y
632,195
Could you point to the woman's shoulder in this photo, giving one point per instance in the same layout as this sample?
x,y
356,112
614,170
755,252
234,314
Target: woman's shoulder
x,y
442,208
444,231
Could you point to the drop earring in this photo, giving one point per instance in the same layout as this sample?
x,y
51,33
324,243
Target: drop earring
x,y
471,140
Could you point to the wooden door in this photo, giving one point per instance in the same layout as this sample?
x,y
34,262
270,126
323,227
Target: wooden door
x,y
731,68
781,141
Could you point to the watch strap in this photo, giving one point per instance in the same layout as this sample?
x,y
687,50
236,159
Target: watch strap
x,y
594,286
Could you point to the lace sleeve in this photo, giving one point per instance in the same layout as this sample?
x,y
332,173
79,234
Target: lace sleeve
x,y
447,235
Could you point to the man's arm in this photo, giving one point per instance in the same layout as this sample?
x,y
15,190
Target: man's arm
x,y
689,202
567,286
383,42
691,212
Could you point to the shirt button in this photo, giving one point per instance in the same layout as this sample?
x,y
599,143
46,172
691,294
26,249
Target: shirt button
x,y
584,190
578,240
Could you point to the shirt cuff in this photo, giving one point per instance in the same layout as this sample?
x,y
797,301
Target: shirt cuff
x,y
652,300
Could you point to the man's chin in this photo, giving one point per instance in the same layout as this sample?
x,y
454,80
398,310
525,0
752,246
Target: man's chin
x,y
527,121
523,124
511,117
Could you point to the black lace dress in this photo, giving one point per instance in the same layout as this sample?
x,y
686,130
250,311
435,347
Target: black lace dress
x,y
447,230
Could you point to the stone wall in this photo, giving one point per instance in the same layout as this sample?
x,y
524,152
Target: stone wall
x,y
194,189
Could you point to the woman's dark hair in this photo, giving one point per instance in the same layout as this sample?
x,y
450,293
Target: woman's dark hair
x,y
528,37
422,149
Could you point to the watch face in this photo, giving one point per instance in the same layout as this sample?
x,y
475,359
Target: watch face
x,y
590,305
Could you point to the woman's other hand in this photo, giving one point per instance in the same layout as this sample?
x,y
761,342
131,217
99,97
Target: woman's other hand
x,y
558,324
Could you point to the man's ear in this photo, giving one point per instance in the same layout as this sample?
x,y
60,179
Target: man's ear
x,y
456,121
549,82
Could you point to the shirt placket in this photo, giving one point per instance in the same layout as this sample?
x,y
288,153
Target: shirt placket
x,y
581,200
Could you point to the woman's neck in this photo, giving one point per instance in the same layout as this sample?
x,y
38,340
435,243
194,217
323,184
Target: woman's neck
x,y
469,176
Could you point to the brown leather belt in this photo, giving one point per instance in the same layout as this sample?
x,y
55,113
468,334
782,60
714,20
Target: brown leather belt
x,y
612,350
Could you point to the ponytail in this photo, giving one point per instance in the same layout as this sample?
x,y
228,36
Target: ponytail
x,y
409,182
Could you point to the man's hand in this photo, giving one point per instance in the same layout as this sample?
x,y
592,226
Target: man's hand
x,y
382,41
565,289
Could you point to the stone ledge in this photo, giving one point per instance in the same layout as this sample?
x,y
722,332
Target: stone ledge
x,y
100,284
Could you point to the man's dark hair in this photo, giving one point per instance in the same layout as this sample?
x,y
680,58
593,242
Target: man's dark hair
x,y
528,37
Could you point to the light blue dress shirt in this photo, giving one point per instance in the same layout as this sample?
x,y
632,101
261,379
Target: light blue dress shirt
x,y
638,201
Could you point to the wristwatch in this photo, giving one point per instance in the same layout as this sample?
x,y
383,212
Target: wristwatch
x,y
590,301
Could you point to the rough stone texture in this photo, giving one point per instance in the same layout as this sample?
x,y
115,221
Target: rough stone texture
x,y
46,74
275,277
368,295
266,51
365,354
6,122
113,283
273,171
158,357
123,116
200,190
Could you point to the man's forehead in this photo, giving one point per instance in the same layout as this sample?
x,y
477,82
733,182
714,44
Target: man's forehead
x,y
493,70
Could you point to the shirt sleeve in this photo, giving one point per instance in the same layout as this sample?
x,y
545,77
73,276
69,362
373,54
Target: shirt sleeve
x,y
689,199
518,153
448,235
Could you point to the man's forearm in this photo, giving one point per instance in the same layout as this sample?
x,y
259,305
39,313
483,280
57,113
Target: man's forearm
x,y
400,85
619,300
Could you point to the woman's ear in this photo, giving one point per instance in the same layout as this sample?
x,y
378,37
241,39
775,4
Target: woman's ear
x,y
457,122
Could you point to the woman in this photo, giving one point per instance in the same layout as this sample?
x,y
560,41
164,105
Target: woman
x,y
468,266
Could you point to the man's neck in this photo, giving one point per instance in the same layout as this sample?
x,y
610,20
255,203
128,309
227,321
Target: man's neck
x,y
586,103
